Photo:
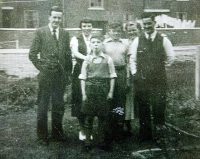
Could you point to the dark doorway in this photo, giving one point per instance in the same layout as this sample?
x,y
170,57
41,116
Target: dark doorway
x,y
101,25
6,18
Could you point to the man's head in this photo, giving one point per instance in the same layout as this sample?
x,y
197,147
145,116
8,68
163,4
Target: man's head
x,y
148,22
115,30
55,16
96,41
86,26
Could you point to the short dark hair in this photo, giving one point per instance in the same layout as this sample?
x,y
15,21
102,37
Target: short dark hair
x,y
148,15
85,20
115,26
97,35
56,9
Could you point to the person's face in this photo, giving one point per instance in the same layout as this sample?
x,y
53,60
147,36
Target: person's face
x,y
86,28
131,30
55,19
115,33
149,25
96,45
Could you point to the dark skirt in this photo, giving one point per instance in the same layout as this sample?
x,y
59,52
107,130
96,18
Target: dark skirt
x,y
97,92
76,91
119,99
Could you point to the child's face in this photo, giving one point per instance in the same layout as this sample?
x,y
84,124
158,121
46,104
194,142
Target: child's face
x,y
131,29
96,45
115,33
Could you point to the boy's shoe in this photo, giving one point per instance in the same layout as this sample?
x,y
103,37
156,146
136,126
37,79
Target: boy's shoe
x,y
43,141
82,136
105,147
87,148
59,138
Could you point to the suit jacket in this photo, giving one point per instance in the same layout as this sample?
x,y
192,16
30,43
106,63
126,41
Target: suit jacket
x,y
50,56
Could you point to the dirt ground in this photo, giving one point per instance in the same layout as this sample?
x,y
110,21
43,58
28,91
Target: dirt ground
x,y
18,124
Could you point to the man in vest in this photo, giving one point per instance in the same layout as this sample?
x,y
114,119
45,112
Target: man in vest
x,y
149,54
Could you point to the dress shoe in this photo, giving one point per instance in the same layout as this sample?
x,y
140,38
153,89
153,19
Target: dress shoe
x,y
43,141
59,138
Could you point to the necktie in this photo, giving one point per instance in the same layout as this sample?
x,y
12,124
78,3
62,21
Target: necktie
x,y
55,37
149,37
54,34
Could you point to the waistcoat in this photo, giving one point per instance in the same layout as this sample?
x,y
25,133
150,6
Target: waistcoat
x,y
82,48
151,59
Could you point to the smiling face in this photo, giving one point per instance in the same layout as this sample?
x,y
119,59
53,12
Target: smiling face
x,y
131,29
149,25
55,19
86,28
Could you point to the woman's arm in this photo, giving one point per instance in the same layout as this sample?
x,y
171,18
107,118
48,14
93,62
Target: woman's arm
x,y
74,49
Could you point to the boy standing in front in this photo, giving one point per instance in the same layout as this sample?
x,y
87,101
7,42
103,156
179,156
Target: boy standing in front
x,y
97,85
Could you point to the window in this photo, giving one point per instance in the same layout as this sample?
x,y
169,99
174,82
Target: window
x,y
181,15
96,4
31,19
127,17
7,16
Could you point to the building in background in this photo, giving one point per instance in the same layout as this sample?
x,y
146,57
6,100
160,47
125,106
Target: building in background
x,y
23,13
33,13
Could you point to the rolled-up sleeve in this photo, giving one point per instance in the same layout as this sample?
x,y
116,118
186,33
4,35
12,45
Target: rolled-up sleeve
x,y
83,75
111,68
74,45
168,49
133,55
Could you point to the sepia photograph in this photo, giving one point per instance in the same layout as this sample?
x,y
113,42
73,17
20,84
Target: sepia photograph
x,y
99,79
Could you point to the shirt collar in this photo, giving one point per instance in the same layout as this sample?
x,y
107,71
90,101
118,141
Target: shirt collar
x,y
100,55
86,38
51,28
153,35
111,40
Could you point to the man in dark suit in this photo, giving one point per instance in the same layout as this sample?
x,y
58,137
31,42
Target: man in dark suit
x,y
50,54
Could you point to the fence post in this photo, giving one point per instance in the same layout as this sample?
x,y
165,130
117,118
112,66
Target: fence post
x,y
17,44
197,74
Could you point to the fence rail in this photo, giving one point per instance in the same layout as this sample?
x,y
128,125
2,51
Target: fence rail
x,y
9,44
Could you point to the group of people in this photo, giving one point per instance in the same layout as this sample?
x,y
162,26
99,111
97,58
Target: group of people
x,y
109,76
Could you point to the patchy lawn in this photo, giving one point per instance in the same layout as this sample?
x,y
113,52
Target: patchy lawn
x,y
18,123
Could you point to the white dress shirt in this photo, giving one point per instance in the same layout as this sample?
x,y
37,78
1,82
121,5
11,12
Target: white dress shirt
x,y
133,50
57,31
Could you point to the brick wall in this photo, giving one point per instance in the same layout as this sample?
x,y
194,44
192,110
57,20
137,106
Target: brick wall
x,y
25,36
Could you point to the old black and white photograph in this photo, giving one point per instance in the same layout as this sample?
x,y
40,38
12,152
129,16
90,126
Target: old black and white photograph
x,y
99,79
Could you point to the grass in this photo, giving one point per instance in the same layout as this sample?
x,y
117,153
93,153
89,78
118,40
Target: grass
x,y
18,122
